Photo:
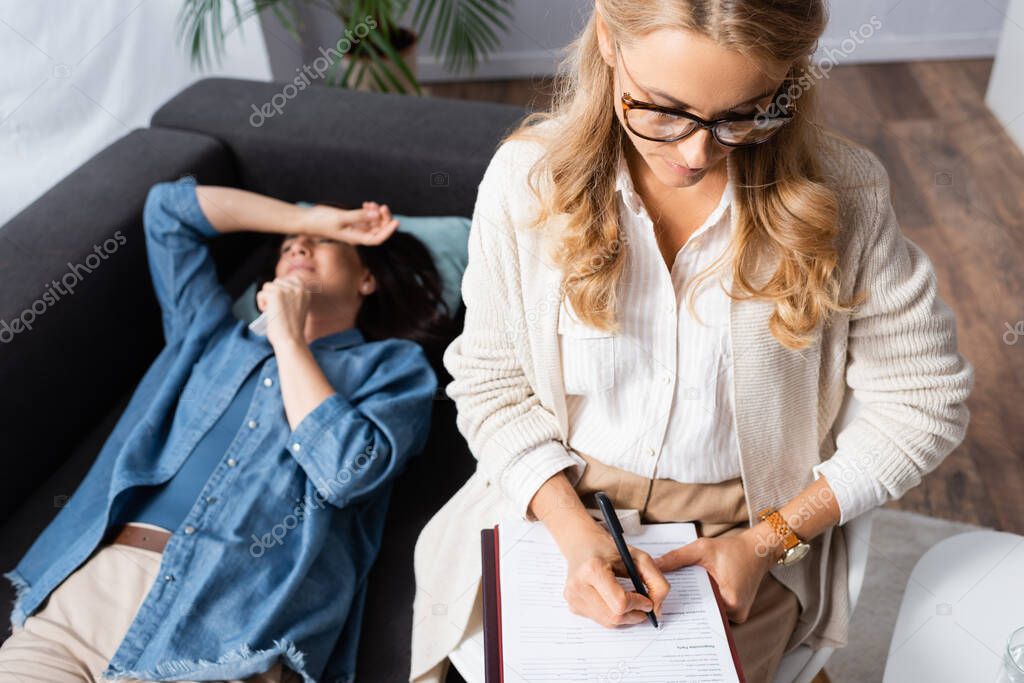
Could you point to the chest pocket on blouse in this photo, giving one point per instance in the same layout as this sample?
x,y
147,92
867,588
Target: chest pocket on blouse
x,y
719,368
588,354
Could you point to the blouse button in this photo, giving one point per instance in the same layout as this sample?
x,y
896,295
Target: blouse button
x,y
232,462
296,448
253,424
267,382
190,529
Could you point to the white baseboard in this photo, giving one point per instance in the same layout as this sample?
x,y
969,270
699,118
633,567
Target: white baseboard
x,y
522,64
539,63
916,48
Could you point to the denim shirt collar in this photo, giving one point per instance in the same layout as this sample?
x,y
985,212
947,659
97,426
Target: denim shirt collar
x,y
339,340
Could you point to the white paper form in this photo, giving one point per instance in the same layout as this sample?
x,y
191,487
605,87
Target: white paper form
x,y
543,642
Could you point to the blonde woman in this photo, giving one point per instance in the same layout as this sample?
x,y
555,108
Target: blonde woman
x,y
674,276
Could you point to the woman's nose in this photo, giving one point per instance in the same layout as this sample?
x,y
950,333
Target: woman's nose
x,y
299,246
697,149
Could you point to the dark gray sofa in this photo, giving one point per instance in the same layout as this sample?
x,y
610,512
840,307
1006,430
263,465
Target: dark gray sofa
x,y
67,379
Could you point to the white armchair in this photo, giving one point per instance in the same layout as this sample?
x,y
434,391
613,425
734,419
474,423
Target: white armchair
x,y
803,664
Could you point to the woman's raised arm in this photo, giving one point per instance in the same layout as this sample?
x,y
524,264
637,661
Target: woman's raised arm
x,y
232,210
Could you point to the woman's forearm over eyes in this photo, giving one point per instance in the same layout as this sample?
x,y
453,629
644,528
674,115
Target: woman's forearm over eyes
x,y
232,210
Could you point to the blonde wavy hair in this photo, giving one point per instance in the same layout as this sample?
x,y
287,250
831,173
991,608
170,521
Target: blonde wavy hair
x,y
785,209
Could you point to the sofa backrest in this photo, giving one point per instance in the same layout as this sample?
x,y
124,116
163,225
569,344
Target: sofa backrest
x,y
422,156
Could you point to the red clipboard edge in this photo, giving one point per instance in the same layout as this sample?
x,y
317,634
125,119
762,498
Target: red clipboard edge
x,y
489,555
728,630
497,588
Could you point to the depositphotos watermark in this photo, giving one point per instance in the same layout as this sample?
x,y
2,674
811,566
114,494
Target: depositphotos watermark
x,y
821,69
64,287
311,72
307,504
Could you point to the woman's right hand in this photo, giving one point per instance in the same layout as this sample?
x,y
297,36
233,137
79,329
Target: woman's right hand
x,y
590,587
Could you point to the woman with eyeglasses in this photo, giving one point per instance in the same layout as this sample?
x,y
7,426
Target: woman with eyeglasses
x,y
674,277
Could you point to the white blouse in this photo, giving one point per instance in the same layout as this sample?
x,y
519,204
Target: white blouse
x,y
656,398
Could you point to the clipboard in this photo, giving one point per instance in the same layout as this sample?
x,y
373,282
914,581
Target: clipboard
x,y
490,556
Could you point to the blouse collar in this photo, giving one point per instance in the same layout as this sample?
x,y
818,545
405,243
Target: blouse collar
x,y
624,185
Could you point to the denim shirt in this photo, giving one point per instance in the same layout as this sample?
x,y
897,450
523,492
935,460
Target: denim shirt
x,y
271,561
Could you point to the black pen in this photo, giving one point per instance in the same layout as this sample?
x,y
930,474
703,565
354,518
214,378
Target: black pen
x,y
612,520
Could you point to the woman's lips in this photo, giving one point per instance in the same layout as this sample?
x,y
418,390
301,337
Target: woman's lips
x,y
682,170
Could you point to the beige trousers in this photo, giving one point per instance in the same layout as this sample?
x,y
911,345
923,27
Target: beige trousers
x,y
80,625
718,510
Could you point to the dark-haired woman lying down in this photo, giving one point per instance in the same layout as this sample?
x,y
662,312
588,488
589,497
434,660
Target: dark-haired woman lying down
x,y
227,527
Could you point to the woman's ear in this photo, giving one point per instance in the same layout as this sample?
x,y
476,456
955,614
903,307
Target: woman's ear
x,y
368,284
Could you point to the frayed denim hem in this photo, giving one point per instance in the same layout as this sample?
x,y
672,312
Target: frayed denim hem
x,y
20,590
224,667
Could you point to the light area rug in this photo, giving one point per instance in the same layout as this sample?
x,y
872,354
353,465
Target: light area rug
x,y
898,540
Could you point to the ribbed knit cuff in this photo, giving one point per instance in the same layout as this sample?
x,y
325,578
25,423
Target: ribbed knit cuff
x,y
855,488
522,479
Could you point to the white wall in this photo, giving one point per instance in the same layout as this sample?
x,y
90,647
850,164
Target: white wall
x,y
910,30
1005,95
77,75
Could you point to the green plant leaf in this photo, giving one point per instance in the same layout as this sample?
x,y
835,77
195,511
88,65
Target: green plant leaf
x,y
392,56
464,31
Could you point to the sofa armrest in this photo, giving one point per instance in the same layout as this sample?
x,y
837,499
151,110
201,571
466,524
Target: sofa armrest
x,y
79,323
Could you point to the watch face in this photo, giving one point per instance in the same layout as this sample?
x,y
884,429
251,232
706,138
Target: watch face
x,y
795,554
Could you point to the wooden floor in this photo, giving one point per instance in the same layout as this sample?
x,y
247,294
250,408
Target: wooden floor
x,y
958,189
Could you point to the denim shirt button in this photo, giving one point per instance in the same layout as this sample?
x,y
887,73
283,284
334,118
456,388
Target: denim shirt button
x,y
296,448
211,499
190,529
267,382
232,462
168,577
253,424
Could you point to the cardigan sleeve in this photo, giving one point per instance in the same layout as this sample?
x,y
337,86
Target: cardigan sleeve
x,y
904,370
516,440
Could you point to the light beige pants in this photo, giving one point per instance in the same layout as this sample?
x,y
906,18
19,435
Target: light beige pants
x,y
80,625
718,510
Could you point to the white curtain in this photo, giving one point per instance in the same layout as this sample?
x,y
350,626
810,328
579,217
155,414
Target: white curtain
x,y
76,75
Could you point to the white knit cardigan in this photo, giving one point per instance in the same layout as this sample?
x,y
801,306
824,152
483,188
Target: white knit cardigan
x,y
897,352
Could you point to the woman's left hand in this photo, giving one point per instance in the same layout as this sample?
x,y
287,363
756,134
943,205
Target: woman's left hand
x,y
286,302
733,561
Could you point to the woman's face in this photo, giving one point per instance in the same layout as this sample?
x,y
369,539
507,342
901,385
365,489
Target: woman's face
x,y
330,269
688,71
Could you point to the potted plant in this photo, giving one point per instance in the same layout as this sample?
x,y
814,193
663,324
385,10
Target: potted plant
x,y
375,52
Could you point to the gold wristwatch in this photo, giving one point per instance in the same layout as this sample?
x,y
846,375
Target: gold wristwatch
x,y
794,549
